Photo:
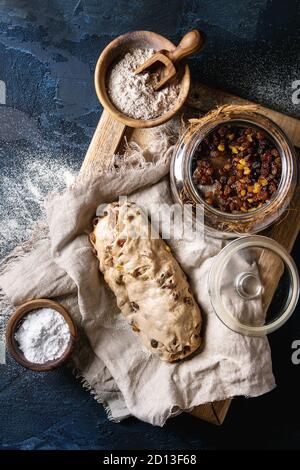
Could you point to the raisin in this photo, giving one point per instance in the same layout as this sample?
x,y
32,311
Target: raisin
x,y
274,169
231,180
135,327
272,187
238,186
188,300
171,285
222,131
275,152
260,135
246,156
227,190
266,157
119,280
265,170
121,242
134,306
209,171
264,195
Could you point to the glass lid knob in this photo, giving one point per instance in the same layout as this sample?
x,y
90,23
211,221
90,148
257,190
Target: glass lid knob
x,y
253,285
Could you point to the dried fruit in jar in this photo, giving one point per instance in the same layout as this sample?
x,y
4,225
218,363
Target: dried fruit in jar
x,y
237,168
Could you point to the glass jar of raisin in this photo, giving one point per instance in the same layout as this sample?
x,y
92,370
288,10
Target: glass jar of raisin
x,y
240,167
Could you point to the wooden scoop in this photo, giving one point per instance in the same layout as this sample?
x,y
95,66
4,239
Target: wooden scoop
x,y
166,61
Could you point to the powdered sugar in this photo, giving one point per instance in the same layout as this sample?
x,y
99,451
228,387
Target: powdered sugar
x,y
134,95
43,336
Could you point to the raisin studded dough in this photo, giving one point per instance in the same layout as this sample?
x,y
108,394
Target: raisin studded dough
x,y
151,289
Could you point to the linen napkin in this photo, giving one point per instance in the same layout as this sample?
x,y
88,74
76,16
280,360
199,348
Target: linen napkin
x,y
109,359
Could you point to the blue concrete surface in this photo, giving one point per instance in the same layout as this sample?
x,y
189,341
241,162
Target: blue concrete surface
x,y
48,51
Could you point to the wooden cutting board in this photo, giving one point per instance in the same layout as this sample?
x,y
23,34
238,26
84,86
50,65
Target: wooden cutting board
x,y
109,139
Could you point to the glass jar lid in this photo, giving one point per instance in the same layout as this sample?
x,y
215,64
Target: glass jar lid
x,y
253,285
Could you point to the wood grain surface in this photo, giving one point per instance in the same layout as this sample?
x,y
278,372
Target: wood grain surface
x,y
109,139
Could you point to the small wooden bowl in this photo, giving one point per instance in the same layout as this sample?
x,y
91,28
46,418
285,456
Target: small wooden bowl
x,y
14,323
118,48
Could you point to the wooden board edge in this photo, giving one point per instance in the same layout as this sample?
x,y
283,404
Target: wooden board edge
x,y
214,413
212,97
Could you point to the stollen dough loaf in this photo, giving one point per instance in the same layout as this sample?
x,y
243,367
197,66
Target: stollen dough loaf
x,y
151,289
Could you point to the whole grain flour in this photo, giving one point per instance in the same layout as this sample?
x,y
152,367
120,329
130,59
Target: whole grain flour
x,y
134,95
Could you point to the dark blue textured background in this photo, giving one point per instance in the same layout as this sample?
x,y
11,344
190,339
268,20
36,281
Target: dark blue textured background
x,y
48,50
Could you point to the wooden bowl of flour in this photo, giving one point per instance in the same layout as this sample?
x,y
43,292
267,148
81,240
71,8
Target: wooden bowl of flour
x,y
16,320
114,52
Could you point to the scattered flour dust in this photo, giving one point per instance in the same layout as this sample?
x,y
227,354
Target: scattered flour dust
x,y
43,336
23,188
22,195
134,95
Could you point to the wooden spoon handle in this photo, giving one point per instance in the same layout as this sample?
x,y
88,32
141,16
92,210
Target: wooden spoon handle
x,y
190,43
